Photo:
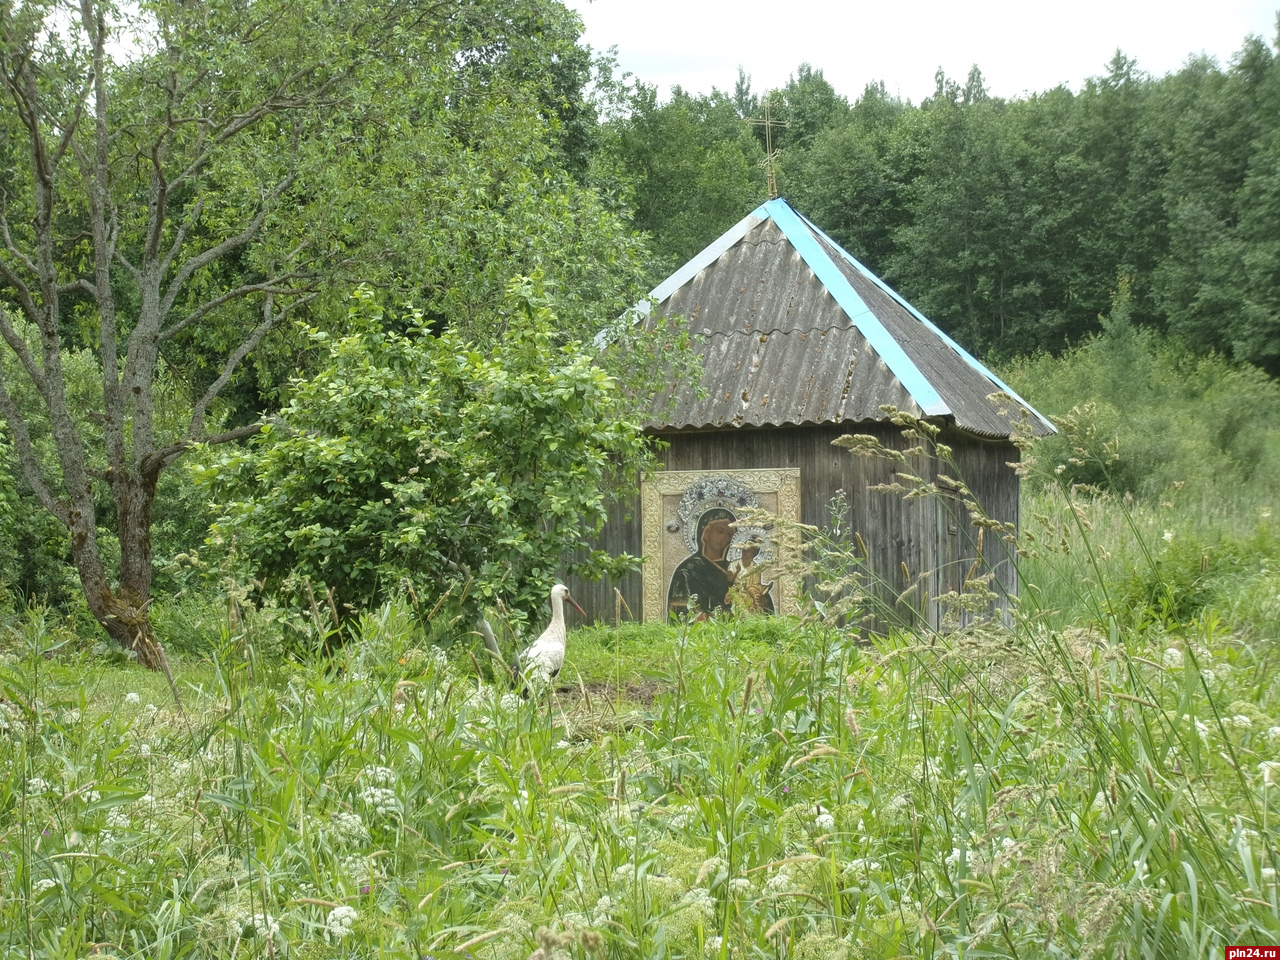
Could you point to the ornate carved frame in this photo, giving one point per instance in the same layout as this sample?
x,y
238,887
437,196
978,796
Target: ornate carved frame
x,y
784,481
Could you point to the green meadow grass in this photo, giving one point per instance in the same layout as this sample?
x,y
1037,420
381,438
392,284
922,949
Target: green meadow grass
x,y
1094,788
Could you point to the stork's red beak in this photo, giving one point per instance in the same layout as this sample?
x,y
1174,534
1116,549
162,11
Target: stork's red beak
x,y
569,597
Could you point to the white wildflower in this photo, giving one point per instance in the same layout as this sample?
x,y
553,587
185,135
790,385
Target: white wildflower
x,y
341,920
381,801
1270,770
604,908
562,744
1099,802
117,818
779,884
1273,735
1008,843
713,945
37,785
40,886
738,886
510,703
360,871
131,699
91,796
953,857
144,750
1202,729
700,898
1208,675
710,868
860,865
146,800
348,825
1268,874
378,776
1173,658
825,822
1239,721
265,927
625,873
1168,536
151,709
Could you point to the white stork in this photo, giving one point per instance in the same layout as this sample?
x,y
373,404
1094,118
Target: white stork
x,y
546,656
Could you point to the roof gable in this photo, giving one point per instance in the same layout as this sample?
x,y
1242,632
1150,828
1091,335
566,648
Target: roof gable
x,y
795,330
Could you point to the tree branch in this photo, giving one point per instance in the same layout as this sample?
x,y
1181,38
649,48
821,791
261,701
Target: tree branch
x,y
15,342
270,318
21,257
81,284
69,133
201,260
273,103
181,236
157,461
27,458
159,200
271,286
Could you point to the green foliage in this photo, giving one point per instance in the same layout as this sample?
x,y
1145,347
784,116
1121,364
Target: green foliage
x,y
1192,573
846,181
691,165
8,519
1168,417
35,557
419,458
452,160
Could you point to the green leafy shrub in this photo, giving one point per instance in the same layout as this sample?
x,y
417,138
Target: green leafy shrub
x,y
412,457
1192,572
1170,417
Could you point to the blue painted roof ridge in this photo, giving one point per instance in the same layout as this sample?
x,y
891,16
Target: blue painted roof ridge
x,y
917,385
973,361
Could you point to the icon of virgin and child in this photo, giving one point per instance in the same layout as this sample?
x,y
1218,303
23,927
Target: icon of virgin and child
x,y
701,582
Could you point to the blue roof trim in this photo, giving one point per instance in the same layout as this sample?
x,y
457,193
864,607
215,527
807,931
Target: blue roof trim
x,y
968,358
703,259
699,262
913,381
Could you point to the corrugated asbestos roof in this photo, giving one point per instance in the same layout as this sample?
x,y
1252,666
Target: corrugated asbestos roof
x,y
795,330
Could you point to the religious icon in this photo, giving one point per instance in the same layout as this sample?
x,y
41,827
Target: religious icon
x,y
708,545
702,581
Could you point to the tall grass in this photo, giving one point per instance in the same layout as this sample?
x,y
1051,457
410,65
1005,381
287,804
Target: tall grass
x,y
1086,790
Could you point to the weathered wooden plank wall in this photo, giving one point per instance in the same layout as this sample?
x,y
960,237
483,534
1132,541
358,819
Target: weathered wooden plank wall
x,y
916,543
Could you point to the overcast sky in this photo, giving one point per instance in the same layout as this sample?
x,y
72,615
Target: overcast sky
x,y
1021,46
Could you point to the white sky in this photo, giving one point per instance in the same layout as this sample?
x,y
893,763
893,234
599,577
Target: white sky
x,y
1021,47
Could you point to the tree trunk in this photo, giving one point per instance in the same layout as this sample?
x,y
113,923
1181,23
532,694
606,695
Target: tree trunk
x,y
123,612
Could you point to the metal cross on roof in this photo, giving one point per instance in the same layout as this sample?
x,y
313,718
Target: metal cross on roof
x,y
770,154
